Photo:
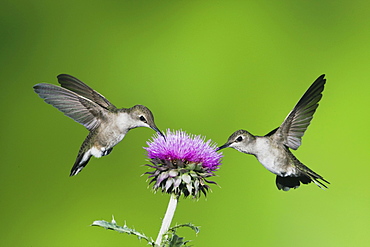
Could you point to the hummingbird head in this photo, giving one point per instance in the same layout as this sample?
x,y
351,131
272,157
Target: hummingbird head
x,y
143,117
239,140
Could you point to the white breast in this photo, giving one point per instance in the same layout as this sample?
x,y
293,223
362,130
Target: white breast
x,y
113,131
270,156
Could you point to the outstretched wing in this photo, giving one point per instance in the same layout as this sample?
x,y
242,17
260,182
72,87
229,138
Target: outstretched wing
x,y
80,88
79,108
297,121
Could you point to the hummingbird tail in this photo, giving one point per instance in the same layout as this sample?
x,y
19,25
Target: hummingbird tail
x,y
79,164
313,177
303,175
287,183
84,157
319,183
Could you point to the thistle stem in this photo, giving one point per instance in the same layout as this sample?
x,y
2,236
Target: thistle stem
x,y
166,222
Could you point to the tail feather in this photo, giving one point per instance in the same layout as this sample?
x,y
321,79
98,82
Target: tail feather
x,y
313,176
79,164
304,175
287,183
319,183
86,151
83,158
84,155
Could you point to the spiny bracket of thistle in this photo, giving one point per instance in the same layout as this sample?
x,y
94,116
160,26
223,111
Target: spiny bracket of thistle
x,y
179,177
122,229
173,240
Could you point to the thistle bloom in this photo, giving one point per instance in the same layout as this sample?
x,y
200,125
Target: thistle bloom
x,y
182,162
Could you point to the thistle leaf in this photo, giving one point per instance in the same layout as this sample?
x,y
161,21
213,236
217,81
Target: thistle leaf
x,y
177,241
122,229
190,225
174,240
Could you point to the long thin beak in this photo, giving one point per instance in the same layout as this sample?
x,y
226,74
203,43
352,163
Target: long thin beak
x,y
223,146
159,132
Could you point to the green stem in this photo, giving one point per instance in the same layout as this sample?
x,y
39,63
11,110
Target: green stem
x,y
167,218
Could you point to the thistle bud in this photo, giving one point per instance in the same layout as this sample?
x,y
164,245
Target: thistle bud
x,y
182,163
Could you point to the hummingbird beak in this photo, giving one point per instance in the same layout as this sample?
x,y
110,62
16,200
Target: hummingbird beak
x,y
223,146
158,132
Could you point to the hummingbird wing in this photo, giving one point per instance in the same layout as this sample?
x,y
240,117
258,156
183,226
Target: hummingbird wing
x,y
77,107
297,121
77,86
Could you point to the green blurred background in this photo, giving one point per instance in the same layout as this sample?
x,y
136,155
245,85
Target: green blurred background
x,y
207,67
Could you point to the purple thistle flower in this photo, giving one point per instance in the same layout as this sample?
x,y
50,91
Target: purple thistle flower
x,y
182,162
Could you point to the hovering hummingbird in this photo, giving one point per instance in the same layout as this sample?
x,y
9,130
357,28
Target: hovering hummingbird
x,y
107,124
272,150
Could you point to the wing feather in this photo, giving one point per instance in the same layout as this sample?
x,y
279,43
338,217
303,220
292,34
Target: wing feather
x,y
80,88
79,108
297,121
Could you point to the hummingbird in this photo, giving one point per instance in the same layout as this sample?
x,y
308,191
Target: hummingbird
x,y
107,124
273,149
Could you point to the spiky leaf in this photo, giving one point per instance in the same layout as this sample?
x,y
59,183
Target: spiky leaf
x,y
122,229
177,241
190,225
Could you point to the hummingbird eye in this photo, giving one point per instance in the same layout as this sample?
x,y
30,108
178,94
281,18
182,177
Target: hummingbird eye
x,y
142,118
239,139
